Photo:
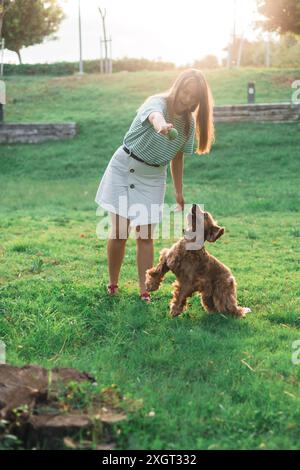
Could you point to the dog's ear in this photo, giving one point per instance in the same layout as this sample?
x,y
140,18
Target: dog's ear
x,y
216,232
194,215
191,218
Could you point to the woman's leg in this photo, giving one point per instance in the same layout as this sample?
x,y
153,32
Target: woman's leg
x,y
116,246
144,252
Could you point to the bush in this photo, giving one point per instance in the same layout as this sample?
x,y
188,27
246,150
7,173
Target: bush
x,y
284,52
208,62
59,68
287,52
90,66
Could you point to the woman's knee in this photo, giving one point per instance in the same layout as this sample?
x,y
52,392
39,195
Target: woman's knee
x,y
145,233
120,228
119,235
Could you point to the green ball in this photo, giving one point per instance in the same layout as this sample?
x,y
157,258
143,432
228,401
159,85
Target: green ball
x,y
172,134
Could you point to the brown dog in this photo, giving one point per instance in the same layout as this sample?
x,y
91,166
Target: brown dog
x,y
196,270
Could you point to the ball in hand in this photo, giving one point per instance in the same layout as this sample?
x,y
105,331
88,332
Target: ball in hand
x,y
172,134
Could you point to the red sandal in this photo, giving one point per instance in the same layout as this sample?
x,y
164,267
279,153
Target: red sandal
x,y
146,297
112,289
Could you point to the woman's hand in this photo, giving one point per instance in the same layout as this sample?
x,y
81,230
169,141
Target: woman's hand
x,y
164,129
159,123
180,203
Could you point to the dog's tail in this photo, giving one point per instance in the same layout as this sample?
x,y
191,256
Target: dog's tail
x,y
154,276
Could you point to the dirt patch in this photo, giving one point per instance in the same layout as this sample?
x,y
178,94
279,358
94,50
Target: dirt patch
x,y
56,409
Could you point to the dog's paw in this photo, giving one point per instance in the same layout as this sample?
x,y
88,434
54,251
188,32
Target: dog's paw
x,y
174,311
242,312
246,310
151,287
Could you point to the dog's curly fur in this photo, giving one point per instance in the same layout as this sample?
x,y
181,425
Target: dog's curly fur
x,y
196,270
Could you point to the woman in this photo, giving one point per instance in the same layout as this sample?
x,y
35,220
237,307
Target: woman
x,y
134,181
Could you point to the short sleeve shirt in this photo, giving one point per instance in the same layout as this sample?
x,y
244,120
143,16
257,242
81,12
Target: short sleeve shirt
x,y
147,144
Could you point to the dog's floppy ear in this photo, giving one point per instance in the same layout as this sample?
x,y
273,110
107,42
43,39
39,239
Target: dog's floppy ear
x,y
194,215
191,218
189,233
216,233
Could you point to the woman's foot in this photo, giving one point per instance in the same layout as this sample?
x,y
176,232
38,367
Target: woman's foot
x,y
145,297
112,289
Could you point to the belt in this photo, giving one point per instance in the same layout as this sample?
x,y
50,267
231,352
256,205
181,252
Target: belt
x,y
138,158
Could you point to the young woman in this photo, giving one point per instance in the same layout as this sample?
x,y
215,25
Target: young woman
x,y
134,181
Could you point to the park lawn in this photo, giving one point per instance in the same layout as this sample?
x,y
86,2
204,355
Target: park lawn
x,y
206,381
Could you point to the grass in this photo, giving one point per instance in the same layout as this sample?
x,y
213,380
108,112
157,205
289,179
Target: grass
x,y
207,382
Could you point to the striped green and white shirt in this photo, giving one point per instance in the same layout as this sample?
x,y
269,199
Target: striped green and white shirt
x,y
147,144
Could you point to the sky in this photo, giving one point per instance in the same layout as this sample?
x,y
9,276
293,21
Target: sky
x,y
172,30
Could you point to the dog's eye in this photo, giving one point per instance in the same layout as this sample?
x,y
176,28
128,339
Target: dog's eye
x,y
205,215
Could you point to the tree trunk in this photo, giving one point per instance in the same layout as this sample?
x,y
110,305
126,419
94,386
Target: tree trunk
x,y
19,56
1,16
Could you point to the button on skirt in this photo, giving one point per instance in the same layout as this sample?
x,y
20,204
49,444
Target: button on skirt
x,y
132,189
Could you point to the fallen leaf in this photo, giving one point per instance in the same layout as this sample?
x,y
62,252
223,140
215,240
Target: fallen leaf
x,y
247,365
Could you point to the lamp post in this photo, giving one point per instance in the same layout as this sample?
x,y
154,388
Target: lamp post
x,y
251,92
104,41
80,41
234,34
2,84
106,61
232,40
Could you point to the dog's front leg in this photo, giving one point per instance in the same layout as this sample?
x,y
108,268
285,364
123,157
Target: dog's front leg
x,y
154,276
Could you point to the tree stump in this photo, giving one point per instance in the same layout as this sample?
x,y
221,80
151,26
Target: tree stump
x,y
36,407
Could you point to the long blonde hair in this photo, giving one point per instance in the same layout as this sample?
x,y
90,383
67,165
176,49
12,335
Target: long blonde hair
x,y
201,112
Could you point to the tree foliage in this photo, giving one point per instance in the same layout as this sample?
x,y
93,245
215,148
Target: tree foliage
x,y
208,62
284,52
29,22
282,16
1,16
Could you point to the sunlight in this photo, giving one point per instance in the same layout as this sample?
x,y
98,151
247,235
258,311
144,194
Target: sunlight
x,y
168,30
176,31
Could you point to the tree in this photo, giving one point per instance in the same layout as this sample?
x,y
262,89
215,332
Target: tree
x,y
286,52
1,15
29,22
207,62
282,16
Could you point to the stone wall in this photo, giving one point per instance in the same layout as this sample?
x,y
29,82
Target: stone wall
x,y
34,133
275,112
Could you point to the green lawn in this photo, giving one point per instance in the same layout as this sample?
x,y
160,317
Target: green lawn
x,y
213,382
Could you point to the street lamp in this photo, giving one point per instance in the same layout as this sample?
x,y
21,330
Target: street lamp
x,y
231,46
80,41
2,84
251,92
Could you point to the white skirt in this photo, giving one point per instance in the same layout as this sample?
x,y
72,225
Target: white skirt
x,y
133,189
